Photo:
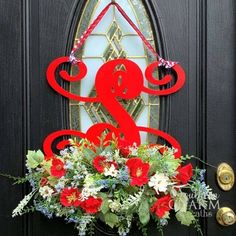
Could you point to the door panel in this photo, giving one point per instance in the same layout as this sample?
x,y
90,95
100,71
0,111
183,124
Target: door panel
x,y
221,99
11,112
199,34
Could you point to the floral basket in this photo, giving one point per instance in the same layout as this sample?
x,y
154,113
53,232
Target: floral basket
x,y
114,184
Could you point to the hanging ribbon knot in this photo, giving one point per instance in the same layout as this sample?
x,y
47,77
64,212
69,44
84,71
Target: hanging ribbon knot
x,y
73,60
166,64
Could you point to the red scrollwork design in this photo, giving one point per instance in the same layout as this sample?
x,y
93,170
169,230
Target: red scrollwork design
x,y
117,78
51,78
178,72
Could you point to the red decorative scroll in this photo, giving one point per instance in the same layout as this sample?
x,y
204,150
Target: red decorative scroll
x,y
111,83
51,77
176,69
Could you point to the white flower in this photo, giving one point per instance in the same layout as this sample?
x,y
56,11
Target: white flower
x,y
159,182
89,191
46,192
111,171
89,181
116,154
89,188
115,205
133,150
107,154
19,209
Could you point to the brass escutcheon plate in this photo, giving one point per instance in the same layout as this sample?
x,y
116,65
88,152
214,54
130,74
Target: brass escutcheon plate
x,y
225,176
225,216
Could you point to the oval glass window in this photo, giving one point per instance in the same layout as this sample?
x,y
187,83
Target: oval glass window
x,y
113,38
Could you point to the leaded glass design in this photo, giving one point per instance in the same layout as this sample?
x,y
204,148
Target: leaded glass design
x,y
113,38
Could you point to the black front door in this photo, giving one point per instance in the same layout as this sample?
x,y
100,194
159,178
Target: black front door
x,y
199,34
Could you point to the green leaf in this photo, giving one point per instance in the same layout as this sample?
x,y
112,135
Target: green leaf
x,y
171,163
144,212
52,180
154,167
105,206
111,219
39,156
89,154
34,158
181,201
47,165
186,218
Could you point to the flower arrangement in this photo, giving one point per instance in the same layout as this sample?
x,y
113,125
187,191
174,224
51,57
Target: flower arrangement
x,y
115,183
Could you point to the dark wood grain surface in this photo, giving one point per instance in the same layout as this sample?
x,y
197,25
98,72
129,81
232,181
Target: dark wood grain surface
x,y
199,34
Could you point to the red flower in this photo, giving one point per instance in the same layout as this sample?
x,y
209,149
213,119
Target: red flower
x,y
57,168
91,205
162,205
70,197
138,171
124,147
100,163
185,173
43,181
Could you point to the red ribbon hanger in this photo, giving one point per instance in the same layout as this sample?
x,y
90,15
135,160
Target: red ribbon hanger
x,y
86,34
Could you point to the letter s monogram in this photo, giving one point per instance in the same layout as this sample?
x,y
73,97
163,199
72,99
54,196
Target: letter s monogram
x,y
119,78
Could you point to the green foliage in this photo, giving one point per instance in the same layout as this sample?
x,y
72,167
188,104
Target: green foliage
x,y
121,202
52,180
105,206
186,218
164,164
91,230
196,173
28,209
34,159
197,226
181,201
16,179
142,228
20,180
132,201
111,219
158,225
144,211
89,154
169,163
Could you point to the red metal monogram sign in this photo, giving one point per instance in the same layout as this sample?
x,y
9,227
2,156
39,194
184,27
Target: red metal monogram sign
x,y
119,78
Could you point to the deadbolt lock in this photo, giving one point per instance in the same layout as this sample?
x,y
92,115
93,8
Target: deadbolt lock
x,y
225,176
225,216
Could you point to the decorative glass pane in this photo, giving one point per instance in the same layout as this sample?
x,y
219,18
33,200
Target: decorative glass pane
x,y
113,38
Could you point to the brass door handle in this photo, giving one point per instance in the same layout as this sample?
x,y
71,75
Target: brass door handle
x,y
225,216
225,176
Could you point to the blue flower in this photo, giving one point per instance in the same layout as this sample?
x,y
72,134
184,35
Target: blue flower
x,y
72,220
123,176
69,165
103,182
64,152
163,222
202,175
45,211
32,184
59,186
